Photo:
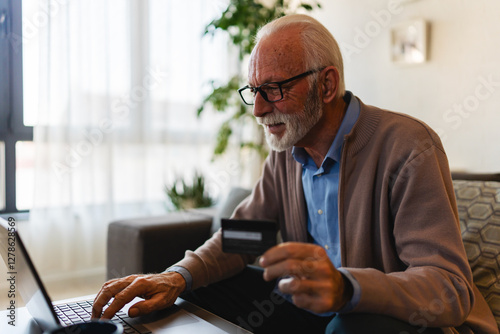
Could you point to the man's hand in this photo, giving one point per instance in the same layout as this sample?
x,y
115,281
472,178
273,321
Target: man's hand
x,y
158,290
314,283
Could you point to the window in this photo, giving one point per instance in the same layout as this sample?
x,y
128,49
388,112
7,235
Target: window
x,y
12,127
95,73
2,177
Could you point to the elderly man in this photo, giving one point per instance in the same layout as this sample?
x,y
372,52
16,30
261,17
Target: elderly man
x,y
364,201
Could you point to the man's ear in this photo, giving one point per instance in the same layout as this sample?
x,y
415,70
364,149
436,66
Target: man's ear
x,y
329,84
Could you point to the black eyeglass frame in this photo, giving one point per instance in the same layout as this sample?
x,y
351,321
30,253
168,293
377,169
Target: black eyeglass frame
x,y
279,83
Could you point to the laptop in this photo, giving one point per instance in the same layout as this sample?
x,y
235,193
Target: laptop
x,y
47,315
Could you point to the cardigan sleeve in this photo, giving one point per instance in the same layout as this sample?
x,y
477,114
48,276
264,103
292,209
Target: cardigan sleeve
x,y
208,264
435,289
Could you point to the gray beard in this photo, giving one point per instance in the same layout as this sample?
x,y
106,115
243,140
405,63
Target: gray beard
x,y
297,125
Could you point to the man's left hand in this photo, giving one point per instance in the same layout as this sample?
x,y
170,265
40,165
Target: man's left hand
x,y
312,280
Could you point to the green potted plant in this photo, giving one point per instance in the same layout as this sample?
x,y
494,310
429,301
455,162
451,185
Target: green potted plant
x,y
184,195
241,21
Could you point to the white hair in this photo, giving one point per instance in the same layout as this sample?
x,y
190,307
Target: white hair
x,y
320,48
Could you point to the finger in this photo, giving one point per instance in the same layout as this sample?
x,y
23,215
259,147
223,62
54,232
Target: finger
x,y
316,304
122,298
294,250
158,302
104,295
292,285
277,253
100,300
290,267
317,296
308,302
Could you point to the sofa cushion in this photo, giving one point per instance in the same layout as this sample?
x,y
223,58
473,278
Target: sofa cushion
x,y
227,206
152,244
479,212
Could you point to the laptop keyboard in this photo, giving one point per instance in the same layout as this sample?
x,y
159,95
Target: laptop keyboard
x,y
82,311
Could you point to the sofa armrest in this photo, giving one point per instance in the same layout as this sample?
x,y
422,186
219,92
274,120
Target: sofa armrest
x,y
152,244
475,176
478,205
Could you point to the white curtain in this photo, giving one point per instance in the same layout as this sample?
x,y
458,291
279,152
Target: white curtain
x,y
115,87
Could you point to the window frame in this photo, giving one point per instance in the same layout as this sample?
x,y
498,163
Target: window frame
x,y
12,128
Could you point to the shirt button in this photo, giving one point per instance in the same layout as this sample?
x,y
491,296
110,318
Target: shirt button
x,y
320,211
326,247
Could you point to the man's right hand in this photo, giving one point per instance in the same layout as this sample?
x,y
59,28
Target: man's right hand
x,y
158,290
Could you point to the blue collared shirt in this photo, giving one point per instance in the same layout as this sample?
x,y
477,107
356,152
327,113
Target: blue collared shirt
x,y
321,187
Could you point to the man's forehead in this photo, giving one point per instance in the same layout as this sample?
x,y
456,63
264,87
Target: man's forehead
x,y
274,58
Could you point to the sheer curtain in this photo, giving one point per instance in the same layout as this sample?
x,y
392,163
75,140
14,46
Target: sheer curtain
x,y
116,88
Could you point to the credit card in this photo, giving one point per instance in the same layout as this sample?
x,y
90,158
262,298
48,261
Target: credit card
x,y
252,237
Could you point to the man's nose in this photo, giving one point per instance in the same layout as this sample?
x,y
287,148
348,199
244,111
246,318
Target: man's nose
x,y
261,106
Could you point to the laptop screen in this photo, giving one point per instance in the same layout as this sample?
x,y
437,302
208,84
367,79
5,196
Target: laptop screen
x,y
27,283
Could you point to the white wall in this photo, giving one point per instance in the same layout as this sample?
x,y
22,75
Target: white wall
x,y
464,53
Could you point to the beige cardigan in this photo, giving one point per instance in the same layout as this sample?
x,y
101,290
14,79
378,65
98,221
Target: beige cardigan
x,y
399,229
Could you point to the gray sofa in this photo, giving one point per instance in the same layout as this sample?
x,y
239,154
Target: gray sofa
x,y
151,244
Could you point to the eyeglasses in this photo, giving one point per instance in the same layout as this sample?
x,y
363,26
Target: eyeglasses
x,y
270,91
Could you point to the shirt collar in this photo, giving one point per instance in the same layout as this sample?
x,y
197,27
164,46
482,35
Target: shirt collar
x,y
334,153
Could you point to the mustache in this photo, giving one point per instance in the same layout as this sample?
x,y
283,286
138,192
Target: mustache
x,y
274,118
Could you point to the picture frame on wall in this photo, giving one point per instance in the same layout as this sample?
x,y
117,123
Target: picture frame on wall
x,y
409,42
